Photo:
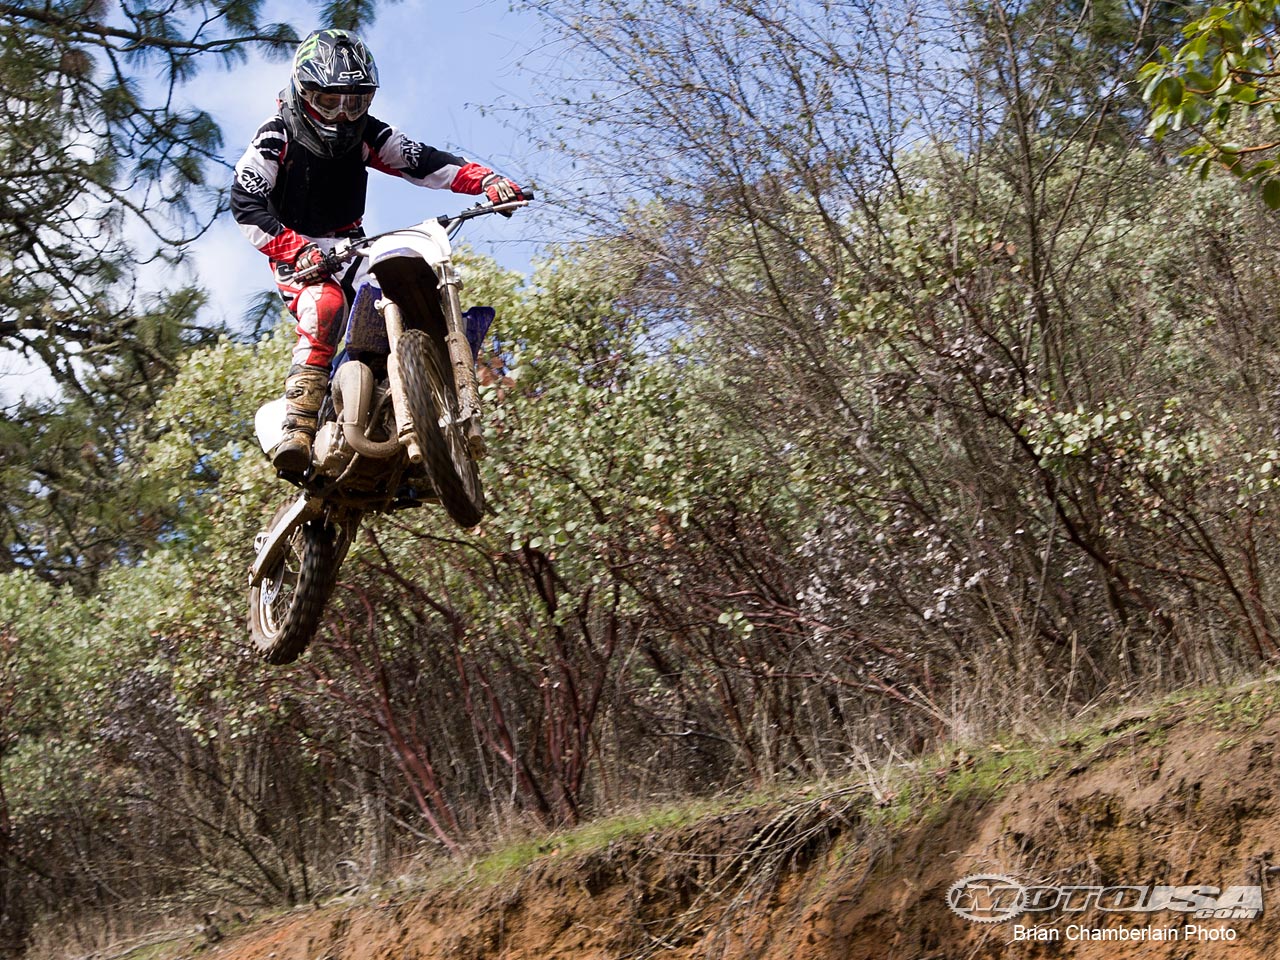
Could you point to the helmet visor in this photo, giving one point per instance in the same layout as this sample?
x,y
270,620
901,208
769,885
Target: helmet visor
x,y
338,107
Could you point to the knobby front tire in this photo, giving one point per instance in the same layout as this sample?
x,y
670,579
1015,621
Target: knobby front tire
x,y
286,606
433,406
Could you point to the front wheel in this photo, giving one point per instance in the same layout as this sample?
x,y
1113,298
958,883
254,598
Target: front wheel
x,y
286,605
442,435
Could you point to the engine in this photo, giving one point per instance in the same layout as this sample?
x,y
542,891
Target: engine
x,y
358,398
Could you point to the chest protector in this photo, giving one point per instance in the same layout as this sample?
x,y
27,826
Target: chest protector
x,y
318,195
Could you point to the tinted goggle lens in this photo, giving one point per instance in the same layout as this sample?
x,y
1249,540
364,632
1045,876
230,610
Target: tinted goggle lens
x,y
338,106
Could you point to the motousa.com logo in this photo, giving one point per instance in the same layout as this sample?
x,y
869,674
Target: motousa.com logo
x,y
995,898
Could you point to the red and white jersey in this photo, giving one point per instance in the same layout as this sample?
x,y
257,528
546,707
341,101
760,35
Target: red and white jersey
x,y
284,194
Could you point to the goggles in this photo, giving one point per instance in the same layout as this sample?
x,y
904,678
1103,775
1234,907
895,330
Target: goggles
x,y
338,107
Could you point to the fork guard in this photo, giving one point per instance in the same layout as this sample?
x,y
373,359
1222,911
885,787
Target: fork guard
x,y
275,540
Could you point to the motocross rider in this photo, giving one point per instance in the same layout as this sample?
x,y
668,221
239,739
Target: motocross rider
x,y
300,187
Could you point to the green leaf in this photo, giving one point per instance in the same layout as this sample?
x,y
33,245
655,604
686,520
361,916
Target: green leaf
x,y
1171,90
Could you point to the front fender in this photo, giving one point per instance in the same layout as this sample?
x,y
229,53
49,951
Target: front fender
x,y
272,543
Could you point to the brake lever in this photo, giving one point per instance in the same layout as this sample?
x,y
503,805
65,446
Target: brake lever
x,y
342,251
522,200
484,207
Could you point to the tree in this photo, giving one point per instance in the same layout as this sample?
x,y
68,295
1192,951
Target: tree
x,y
105,172
1218,84
908,237
108,178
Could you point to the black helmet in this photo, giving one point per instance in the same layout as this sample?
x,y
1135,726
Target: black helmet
x,y
327,103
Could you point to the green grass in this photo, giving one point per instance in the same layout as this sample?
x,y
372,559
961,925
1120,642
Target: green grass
x,y
1244,711
590,836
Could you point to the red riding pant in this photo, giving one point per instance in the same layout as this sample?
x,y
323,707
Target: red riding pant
x,y
320,309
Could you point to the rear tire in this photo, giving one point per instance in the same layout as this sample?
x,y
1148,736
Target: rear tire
x,y
433,406
286,606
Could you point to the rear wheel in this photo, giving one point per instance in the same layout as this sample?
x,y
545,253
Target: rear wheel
x,y
442,435
286,605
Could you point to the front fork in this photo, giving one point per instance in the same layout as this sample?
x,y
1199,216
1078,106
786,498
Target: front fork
x,y
461,360
399,399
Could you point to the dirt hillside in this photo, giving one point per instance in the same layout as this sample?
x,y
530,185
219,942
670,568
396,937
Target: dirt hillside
x,y
1176,796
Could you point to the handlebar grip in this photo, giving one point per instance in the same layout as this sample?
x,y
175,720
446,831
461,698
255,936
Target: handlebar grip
x,y
526,194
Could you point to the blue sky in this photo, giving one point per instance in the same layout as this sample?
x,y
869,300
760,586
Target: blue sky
x,y
452,76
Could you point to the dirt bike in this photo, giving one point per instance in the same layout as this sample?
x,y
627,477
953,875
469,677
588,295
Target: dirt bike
x,y
400,426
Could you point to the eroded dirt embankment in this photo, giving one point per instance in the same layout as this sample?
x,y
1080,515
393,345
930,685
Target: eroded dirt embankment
x,y
1181,795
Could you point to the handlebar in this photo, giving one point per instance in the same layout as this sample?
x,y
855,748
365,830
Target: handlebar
x,y
480,209
351,247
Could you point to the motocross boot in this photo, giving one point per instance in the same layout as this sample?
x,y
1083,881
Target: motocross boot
x,y
304,391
